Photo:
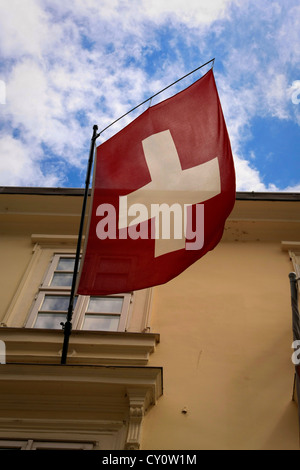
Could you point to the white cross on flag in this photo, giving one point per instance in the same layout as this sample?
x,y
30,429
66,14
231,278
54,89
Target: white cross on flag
x,y
163,189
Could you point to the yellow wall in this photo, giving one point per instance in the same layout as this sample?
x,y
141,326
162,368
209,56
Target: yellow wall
x,y
224,324
225,327
22,215
15,255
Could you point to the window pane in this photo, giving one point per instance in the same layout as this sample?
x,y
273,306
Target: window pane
x,y
66,264
62,279
55,302
50,320
105,304
101,322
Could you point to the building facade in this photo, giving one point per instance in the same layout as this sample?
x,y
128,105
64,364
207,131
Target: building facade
x,y
202,362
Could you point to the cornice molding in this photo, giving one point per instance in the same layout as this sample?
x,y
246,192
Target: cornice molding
x,y
37,346
93,400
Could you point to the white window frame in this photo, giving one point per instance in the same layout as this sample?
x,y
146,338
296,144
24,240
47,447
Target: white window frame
x,y
82,301
52,269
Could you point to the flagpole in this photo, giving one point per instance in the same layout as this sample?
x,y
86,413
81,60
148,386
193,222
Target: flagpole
x,y
296,337
67,326
296,329
294,303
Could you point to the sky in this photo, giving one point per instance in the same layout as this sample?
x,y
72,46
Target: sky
x,y
65,66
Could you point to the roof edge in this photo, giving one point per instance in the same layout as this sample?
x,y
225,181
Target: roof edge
x,y
240,195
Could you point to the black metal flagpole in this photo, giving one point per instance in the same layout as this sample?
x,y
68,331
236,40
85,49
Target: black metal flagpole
x,y
295,326
67,327
296,337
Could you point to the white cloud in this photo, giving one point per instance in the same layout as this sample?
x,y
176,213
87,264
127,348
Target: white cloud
x,y
40,111
91,58
192,12
287,37
276,97
25,29
28,96
18,167
293,189
249,178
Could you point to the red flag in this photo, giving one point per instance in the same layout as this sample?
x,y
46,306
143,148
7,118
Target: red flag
x,y
163,188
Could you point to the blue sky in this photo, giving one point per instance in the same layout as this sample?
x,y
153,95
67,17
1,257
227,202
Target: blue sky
x,y
66,66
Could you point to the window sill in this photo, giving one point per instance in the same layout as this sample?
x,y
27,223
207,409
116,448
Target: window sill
x,y
43,346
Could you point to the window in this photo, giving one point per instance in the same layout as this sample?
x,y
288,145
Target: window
x,y
102,313
43,445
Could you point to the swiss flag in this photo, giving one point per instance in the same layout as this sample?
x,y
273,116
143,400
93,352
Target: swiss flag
x,y
163,188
